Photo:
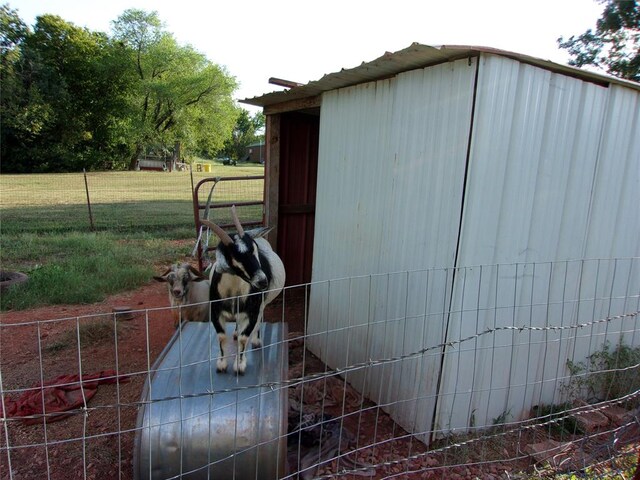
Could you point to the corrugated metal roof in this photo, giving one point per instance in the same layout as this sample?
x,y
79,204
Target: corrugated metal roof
x,y
413,57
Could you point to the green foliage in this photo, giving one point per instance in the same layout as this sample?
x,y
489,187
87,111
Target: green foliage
x,y
12,29
614,45
61,99
606,374
82,268
502,418
558,421
179,94
73,99
246,131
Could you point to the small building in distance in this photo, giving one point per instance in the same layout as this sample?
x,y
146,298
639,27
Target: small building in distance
x,y
255,153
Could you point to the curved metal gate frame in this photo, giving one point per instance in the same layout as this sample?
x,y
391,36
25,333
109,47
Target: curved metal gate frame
x,y
202,232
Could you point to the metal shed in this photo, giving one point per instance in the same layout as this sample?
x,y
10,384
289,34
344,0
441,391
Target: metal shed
x,y
428,162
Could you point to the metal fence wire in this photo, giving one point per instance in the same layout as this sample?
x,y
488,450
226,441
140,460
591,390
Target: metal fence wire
x,y
120,202
494,371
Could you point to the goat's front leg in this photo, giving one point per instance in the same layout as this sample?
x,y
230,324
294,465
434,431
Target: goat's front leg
x,y
240,364
219,323
255,338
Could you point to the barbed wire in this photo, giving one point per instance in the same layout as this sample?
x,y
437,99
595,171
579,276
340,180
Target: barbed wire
x,y
268,387
529,424
338,371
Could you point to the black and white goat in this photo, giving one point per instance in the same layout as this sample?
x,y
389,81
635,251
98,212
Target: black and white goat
x,y
246,276
188,293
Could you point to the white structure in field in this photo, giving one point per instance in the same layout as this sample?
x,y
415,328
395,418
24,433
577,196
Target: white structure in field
x,y
434,160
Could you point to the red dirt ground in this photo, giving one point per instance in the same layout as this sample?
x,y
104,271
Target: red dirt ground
x,y
104,456
99,445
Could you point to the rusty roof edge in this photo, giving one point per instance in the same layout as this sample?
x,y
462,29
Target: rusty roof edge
x,y
347,77
419,56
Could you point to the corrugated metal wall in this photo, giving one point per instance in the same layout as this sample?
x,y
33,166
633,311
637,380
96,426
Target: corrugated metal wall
x,y
553,175
390,180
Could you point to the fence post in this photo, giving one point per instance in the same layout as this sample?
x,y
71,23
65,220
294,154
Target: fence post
x,y
86,187
193,188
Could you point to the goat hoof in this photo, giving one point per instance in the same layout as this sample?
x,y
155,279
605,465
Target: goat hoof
x,y
256,342
221,366
239,368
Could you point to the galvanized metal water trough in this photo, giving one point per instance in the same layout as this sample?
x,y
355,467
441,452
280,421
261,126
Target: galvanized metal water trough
x,y
197,423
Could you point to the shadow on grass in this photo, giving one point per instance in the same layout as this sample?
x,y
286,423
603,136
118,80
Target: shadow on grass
x,y
150,216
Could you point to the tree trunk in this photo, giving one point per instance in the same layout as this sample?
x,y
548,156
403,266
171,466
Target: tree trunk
x,y
134,157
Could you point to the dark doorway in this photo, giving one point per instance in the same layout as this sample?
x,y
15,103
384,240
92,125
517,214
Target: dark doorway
x,y
299,134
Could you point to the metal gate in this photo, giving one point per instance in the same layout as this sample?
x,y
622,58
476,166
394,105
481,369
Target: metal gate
x,y
246,193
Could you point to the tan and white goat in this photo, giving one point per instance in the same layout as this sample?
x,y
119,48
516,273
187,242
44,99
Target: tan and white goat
x,y
188,293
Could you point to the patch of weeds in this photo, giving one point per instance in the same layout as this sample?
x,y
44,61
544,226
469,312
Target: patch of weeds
x,y
605,374
82,268
557,421
502,418
90,333
57,346
621,466
92,267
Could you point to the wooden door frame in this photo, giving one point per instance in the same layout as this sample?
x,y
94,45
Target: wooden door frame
x,y
272,176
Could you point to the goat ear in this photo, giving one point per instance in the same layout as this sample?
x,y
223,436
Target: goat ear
x,y
259,232
221,234
163,277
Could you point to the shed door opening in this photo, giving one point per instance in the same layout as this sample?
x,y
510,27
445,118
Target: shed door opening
x,y
299,133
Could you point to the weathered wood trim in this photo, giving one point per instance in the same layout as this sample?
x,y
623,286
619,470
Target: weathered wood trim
x,y
292,105
272,176
284,83
297,209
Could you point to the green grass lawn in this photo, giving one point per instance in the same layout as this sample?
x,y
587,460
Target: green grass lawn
x,y
45,229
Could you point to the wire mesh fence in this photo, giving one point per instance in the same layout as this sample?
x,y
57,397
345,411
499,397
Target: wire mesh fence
x,y
115,201
498,371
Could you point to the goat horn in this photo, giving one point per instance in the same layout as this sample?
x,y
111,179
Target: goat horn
x,y
166,272
236,221
222,235
195,271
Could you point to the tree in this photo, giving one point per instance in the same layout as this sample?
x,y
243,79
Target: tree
x,y
62,96
615,44
245,132
179,94
72,98
12,30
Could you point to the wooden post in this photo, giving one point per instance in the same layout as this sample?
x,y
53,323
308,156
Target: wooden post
x,y
86,187
272,176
